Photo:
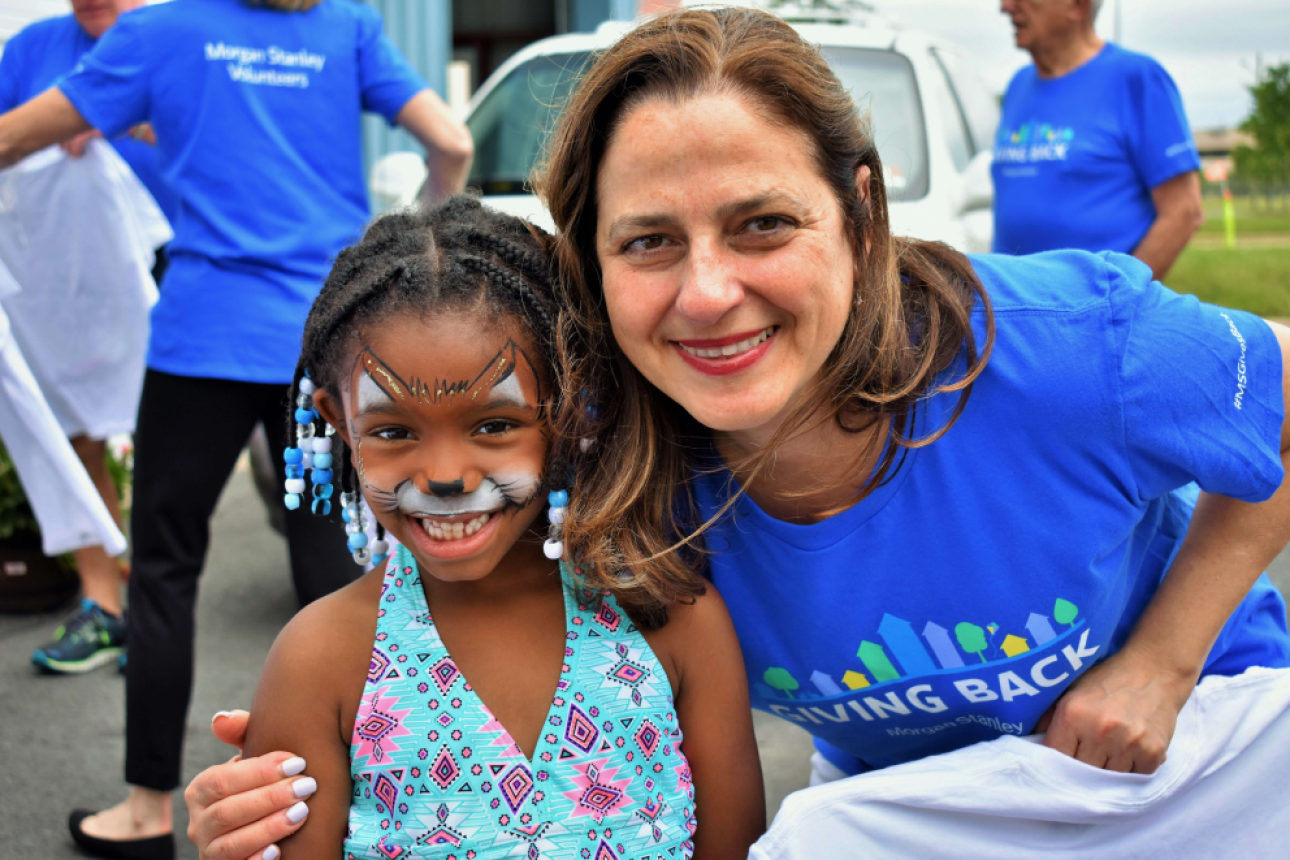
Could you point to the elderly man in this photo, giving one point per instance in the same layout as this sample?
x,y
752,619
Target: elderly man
x,y
1093,150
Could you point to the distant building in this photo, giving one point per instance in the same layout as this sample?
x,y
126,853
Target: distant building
x,y
1216,144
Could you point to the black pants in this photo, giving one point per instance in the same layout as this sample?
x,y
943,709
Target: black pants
x,y
190,432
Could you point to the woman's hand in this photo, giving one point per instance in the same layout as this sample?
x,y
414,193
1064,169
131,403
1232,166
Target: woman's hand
x,y
239,809
1120,715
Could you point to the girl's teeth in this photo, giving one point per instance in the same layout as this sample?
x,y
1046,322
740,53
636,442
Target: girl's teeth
x,y
731,349
454,531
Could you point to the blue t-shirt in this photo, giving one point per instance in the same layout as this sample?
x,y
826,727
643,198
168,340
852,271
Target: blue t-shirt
x,y
257,115
958,601
1076,157
37,57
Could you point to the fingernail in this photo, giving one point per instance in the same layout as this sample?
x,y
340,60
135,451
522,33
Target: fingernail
x,y
297,813
219,714
292,766
304,787
271,853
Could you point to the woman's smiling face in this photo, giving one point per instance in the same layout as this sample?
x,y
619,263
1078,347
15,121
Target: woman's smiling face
x,y
446,423
728,265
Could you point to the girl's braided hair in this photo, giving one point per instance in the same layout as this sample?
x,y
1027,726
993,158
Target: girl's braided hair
x,y
457,256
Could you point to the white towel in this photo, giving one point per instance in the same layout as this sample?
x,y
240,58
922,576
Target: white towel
x,y
78,235
1223,792
66,504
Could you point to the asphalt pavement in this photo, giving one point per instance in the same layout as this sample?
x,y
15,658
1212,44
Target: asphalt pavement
x,y
61,739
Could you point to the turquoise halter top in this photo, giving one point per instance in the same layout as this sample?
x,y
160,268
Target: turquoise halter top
x,y
437,776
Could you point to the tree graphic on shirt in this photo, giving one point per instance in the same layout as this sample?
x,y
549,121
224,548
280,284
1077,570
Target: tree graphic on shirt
x,y
780,679
971,638
1065,612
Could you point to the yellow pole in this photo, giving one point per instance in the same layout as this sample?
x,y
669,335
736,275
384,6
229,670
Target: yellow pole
x,y
1229,216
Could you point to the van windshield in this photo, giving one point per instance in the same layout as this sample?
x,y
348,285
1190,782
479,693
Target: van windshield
x,y
511,125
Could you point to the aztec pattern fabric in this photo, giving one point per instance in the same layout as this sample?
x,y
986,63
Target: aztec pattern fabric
x,y
437,776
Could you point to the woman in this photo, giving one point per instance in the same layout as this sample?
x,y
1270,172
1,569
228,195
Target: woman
x,y
909,570
256,107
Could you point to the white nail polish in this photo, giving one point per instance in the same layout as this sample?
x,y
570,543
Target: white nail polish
x,y
219,714
292,766
271,853
304,787
297,813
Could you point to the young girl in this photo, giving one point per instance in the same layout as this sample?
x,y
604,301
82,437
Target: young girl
x,y
482,703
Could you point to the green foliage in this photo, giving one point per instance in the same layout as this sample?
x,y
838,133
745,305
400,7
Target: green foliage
x,y
1065,612
1269,123
16,518
780,679
971,638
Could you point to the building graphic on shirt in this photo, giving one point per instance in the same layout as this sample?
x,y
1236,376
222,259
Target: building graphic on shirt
x,y
1034,141
902,653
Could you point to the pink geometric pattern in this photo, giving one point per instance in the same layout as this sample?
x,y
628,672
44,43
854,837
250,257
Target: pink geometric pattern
x,y
435,774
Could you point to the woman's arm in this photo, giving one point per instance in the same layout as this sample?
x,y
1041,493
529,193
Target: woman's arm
x,y
41,122
1120,715
308,695
698,644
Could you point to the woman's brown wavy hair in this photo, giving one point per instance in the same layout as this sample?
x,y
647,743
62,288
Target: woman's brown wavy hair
x,y
633,525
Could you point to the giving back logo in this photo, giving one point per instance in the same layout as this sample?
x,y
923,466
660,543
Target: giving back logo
x,y
915,692
1033,142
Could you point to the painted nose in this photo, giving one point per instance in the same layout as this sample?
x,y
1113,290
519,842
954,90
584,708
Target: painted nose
x,y
452,488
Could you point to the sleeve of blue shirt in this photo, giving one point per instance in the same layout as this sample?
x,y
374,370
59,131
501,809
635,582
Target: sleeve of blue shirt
x,y
387,80
110,87
1200,389
1161,144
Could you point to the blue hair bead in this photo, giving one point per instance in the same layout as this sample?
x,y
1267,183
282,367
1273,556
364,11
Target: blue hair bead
x,y
321,476
344,514
557,498
357,541
305,416
293,456
321,506
322,461
292,501
322,491
295,472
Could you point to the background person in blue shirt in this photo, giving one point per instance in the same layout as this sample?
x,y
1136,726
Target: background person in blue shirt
x,y
1093,149
33,61
257,118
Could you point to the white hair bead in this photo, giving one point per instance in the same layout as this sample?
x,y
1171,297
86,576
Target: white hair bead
x,y
307,386
586,445
555,515
295,485
322,445
553,549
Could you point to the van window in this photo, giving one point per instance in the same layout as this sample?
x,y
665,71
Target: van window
x,y
511,125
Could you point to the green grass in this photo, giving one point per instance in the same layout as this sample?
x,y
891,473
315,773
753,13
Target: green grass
x,y
1272,218
1251,279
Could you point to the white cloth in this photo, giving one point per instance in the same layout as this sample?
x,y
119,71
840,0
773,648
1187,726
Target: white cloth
x,y
1223,792
78,235
66,504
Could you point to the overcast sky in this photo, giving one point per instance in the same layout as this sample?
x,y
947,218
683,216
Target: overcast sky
x,y
1208,46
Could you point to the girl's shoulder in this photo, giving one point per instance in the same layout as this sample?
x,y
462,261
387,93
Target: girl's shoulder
x,y
690,632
